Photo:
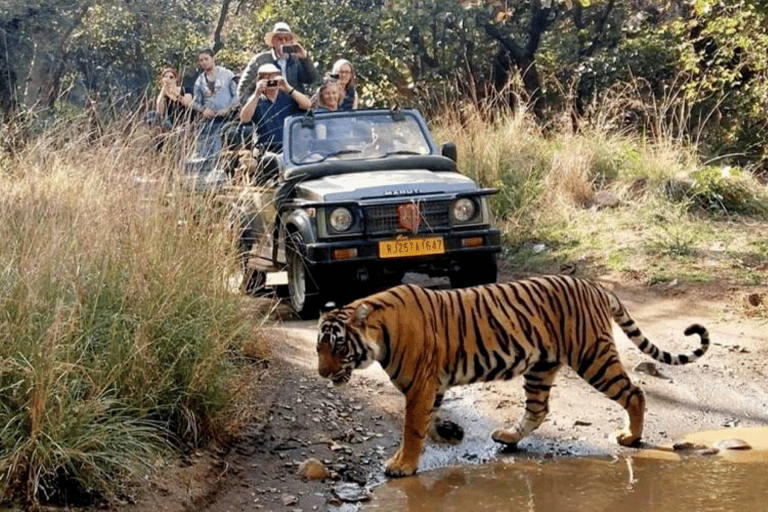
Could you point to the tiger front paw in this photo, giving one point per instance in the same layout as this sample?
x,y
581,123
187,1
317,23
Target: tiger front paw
x,y
398,466
626,438
510,438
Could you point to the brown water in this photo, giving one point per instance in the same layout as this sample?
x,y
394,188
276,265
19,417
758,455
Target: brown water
x,y
650,480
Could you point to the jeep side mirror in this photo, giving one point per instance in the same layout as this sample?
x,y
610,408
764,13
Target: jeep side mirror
x,y
449,151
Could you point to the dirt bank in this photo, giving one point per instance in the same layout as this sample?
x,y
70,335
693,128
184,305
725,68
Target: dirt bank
x,y
354,429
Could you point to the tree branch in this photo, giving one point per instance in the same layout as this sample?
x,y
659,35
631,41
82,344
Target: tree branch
x,y
217,44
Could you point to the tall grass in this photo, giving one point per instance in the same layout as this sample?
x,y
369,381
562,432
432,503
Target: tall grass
x,y
591,193
117,329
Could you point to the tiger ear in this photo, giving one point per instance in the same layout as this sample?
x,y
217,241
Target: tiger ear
x,y
327,308
361,314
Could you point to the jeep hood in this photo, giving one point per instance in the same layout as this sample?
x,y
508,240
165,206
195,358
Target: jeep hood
x,y
378,184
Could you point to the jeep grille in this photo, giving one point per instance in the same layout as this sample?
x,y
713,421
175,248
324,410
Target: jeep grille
x,y
383,218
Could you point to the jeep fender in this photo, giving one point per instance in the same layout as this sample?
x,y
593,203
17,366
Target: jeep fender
x,y
297,221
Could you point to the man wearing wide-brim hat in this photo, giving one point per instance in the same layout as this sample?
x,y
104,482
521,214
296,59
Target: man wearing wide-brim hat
x,y
287,54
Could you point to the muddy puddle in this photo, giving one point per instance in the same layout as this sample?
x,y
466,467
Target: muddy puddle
x,y
663,479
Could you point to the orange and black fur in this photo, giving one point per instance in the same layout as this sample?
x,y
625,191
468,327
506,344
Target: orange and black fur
x,y
429,340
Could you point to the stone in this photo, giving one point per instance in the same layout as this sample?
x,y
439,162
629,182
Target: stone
x,y
313,469
648,368
733,444
606,199
351,492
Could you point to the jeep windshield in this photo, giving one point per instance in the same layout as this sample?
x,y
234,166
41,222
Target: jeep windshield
x,y
356,135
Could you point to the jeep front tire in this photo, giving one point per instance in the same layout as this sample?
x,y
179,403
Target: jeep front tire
x,y
303,292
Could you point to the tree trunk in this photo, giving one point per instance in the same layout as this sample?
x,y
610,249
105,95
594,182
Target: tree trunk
x,y
522,58
217,44
8,76
43,84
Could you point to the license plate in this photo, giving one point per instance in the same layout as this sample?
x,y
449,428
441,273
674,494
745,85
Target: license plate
x,y
411,247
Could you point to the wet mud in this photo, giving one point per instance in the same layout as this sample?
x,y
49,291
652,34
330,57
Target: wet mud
x,y
637,483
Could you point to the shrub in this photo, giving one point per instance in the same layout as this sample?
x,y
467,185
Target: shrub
x,y
117,329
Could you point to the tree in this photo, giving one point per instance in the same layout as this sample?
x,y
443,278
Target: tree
x,y
93,51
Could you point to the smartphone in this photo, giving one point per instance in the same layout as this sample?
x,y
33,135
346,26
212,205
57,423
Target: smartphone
x,y
271,83
289,48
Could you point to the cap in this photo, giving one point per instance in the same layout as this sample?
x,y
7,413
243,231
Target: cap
x,y
268,68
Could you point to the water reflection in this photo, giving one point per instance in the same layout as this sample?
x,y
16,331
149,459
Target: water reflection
x,y
636,484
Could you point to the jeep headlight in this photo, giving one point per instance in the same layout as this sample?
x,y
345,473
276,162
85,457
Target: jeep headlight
x,y
464,209
341,219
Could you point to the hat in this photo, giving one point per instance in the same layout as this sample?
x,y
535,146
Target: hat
x,y
268,68
281,27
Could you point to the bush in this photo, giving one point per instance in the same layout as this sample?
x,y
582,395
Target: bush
x,y
725,190
117,327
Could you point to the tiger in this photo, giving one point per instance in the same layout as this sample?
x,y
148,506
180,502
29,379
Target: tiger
x,y
428,340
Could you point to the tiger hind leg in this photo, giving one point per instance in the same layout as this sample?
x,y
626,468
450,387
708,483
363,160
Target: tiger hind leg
x,y
538,383
441,430
609,377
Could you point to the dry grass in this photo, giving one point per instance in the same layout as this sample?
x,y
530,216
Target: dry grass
x,y
670,207
120,337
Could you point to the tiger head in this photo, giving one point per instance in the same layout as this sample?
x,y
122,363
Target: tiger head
x,y
343,344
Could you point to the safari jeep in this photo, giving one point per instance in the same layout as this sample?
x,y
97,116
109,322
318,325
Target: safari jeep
x,y
357,199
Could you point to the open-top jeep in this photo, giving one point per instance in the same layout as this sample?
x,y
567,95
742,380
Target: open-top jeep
x,y
357,199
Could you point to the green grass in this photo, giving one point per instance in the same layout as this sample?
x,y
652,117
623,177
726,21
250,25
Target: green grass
x,y
118,335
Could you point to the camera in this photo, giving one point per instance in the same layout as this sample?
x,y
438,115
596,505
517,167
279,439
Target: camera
x,y
289,48
271,83
334,76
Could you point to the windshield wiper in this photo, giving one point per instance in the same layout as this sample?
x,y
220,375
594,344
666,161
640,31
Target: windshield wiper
x,y
401,152
341,152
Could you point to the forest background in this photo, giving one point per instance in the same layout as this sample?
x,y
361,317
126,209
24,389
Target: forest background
x,y
623,136
697,67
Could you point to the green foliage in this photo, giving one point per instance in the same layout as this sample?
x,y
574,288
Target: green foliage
x,y
698,69
674,240
725,190
724,57
165,34
117,330
401,50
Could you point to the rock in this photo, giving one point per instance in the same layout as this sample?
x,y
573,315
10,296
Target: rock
x,y
648,368
733,444
290,500
313,469
351,492
694,448
687,446
606,199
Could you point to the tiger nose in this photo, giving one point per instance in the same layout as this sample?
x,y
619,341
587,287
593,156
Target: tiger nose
x,y
324,366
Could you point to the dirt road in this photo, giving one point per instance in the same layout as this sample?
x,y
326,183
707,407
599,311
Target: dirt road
x,y
352,430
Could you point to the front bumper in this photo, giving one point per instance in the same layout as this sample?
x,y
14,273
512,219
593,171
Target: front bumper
x,y
459,246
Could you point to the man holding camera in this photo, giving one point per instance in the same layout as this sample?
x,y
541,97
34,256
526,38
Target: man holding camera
x,y
287,55
273,99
